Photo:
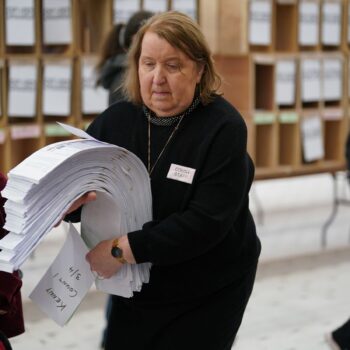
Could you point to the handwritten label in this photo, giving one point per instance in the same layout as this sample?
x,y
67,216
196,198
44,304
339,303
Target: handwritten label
x,y
66,282
181,173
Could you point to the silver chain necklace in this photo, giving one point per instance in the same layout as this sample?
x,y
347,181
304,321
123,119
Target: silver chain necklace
x,y
150,169
164,121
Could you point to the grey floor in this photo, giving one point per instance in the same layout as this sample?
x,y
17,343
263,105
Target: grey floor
x,y
301,292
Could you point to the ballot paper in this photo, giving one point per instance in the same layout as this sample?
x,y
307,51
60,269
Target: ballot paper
x,y
43,187
66,282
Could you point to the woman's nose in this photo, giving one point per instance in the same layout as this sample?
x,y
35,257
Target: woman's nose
x,y
159,76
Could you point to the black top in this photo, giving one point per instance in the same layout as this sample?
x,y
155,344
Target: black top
x,y
202,236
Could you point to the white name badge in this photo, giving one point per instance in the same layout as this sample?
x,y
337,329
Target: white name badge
x,y
181,173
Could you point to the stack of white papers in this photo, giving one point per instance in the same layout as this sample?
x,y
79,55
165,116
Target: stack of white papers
x,y
42,188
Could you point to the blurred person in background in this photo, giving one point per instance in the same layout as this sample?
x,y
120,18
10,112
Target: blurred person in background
x,y
11,314
112,62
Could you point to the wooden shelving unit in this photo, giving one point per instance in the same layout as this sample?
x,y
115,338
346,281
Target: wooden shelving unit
x,y
296,77
283,62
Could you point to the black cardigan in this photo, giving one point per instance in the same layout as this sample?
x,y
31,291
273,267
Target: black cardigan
x,y
202,236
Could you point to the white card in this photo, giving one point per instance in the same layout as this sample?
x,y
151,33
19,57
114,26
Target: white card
x,y
57,26
94,98
57,89
260,22
313,148
23,88
310,80
331,23
124,9
181,173
20,25
189,7
332,79
309,14
66,282
285,82
155,5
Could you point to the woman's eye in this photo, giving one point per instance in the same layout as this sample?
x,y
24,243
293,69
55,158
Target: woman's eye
x,y
173,67
148,64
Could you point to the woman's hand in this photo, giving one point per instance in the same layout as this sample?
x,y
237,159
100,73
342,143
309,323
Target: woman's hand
x,y
103,263
86,198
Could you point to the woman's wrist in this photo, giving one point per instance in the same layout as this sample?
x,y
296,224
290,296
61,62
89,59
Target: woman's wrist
x,y
123,243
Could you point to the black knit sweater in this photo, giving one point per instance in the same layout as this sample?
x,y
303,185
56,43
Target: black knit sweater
x,y
202,236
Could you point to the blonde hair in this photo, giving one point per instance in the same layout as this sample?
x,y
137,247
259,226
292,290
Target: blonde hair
x,y
181,32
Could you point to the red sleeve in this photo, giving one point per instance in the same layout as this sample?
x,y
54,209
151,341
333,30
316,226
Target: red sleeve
x,y
2,202
11,323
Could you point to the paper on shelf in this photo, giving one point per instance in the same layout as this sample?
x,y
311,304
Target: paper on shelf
x,y
312,139
57,22
124,9
309,15
20,25
332,79
331,23
311,80
260,22
285,82
155,5
23,88
188,7
94,98
57,88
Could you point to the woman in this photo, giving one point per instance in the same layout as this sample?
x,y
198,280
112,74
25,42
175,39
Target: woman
x,y
11,315
202,240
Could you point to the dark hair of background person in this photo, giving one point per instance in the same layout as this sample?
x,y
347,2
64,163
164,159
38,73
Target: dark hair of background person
x,y
111,46
112,63
135,22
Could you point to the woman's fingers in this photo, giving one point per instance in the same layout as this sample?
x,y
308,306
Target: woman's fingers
x,y
87,197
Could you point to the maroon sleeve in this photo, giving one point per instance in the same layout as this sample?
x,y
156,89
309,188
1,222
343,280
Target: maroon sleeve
x,y
2,202
11,323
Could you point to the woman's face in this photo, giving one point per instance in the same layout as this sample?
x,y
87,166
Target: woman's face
x,y
168,77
